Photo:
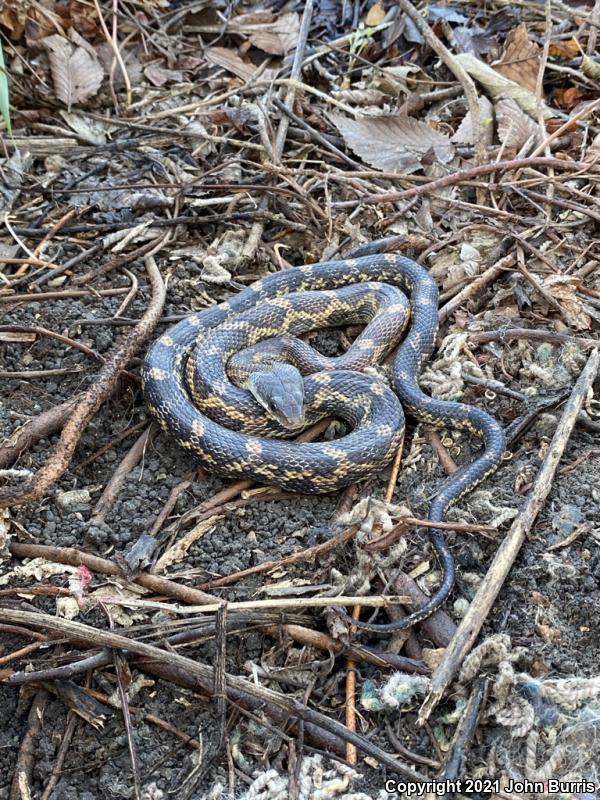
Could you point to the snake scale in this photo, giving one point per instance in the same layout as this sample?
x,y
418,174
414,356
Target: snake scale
x,y
373,411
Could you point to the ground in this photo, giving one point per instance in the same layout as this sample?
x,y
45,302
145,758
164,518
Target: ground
x,y
537,653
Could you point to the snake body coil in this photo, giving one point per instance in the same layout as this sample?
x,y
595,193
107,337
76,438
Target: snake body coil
x,y
371,409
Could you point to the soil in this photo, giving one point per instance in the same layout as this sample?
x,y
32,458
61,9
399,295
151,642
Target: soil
x,y
183,157
549,604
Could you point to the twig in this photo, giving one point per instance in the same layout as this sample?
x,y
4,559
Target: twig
x,y
28,374
321,641
468,174
129,431
481,604
90,401
474,288
113,487
182,486
64,295
281,603
439,627
256,230
112,41
21,782
65,743
40,331
539,287
76,558
238,689
465,732
350,712
399,530
568,125
314,134
442,453
456,69
33,430
302,555
539,94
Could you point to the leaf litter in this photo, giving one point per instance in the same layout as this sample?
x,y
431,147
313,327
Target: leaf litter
x,y
160,135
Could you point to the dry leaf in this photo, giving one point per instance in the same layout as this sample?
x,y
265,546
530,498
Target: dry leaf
x,y
375,15
464,132
395,80
76,14
563,288
90,130
520,60
547,633
14,16
514,126
279,37
232,62
106,56
569,97
590,68
76,71
158,75
566,49
14,170
500,87
394,143
432,657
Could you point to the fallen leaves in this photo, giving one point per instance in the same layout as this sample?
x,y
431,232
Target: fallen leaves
x,y
231,61
520,61
570,96
514,126
500,87
76,71
275,36
464,132
564,289
158,75
394,143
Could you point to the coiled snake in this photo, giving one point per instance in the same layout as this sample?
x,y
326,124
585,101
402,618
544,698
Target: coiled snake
x,y
372,410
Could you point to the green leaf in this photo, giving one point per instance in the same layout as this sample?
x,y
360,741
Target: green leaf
x,y
4,104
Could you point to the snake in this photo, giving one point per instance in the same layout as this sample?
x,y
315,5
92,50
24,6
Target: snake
x,y
373,411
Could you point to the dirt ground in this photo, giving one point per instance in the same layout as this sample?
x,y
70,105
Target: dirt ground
x,y
536,661
549,605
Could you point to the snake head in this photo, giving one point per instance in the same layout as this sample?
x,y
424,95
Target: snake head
x,y
280,391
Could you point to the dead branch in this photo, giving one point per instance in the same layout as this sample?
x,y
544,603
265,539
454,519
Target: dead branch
x,y
90,401
484,599
238,689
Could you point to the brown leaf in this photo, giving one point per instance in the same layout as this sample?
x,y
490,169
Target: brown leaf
x,y
515,127
376,15
232,62
76,14
563,288
76,71
106,56
520,61
14,16
279,37
394,143
569,96
158,75
464,132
